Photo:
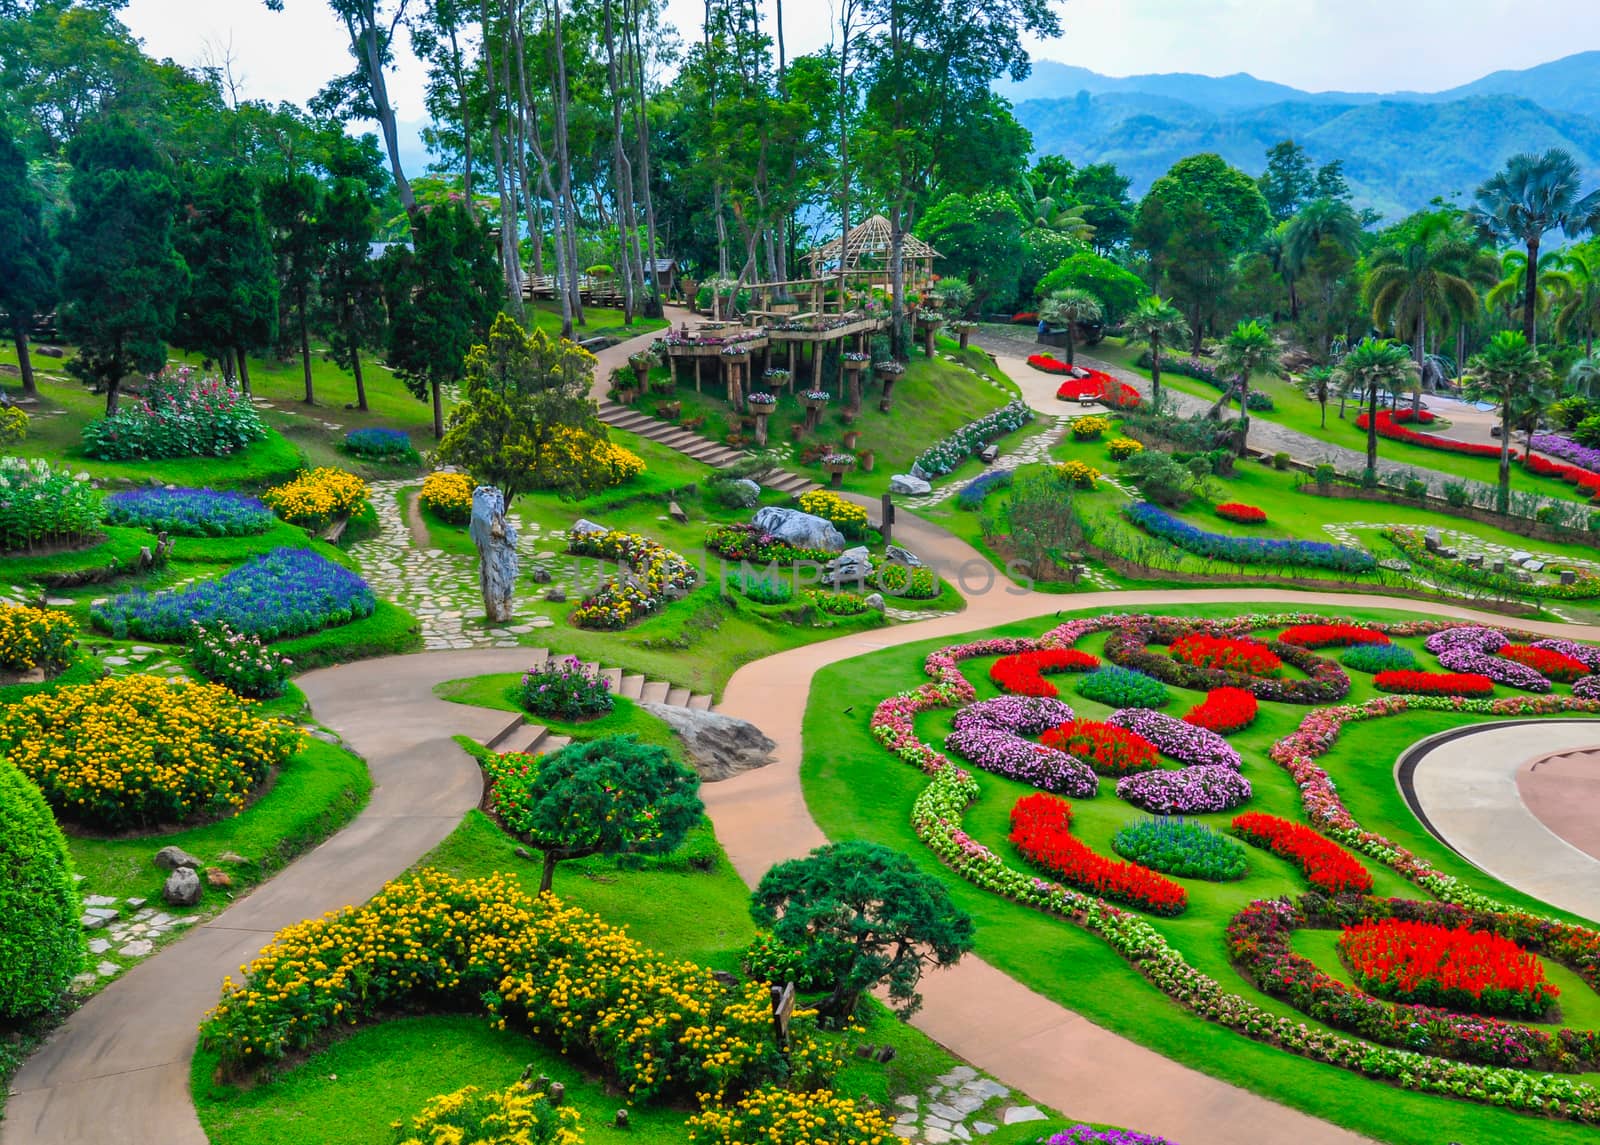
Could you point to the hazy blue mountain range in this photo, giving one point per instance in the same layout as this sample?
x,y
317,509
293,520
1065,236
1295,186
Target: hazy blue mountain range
x,y
1400,149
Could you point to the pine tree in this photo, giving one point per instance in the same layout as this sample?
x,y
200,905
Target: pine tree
x,y
27,255
349,313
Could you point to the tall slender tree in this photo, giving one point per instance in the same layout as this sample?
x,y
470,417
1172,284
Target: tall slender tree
x,y
1423,278
27,254
1157,323
1068,309
1373,366
1249,348
1511,374
290,204
349,310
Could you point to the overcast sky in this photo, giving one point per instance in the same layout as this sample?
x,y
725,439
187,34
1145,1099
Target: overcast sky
x,y
1355,45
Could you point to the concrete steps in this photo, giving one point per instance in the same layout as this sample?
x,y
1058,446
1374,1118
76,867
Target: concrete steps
x,y
693,445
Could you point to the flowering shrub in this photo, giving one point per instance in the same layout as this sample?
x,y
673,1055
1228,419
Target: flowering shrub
x,y
906,582
837,603
1187,791
1097,386
1041,829
448,496
1108,749
850,518
565,689
1241,514
1179,847
773,1116
1005,753
656,1025
318,496
513,1116
1224,711
179,415
1122,448
576,459
1547,662
748,543
1330,635
945,455
1583,456
1389,426
141,750
1587,688
1086,1135
1023,673
1328,866
1226,654
287,592
1446,966
189,512
770,960
377,444
1079,473
41,506
36,638
1379,657
1247,550
657,574
1025,715
1433,683
13,424
238,661
1089,428
1181,740
972,494
1121,688
1586,654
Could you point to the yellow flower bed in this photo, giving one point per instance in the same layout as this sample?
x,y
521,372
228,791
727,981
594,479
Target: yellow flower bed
x,y
847,515
1089,428
317,496
1122,448
657,575
35,638
573,459
143,750
1080,473
432,940
514,1116
784,1117
449,495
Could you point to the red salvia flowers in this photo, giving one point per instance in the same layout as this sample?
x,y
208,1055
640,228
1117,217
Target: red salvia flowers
x,y
1328,866
1224,710
1041,828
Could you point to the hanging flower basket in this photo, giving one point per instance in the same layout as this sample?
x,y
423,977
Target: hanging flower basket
x,y
761,403
854,362
817,399
775,377
839,463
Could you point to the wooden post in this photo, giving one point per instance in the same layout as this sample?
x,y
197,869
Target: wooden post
x,y
886,515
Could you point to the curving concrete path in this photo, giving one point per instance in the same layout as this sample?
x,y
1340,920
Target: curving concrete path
x,y
1468,787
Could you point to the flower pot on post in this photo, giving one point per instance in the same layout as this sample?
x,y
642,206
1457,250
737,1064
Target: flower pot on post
x,y
816,401
888,373
761,405
851,436
641,364
837,465
928,323
964,331
853,364
866,459
736,358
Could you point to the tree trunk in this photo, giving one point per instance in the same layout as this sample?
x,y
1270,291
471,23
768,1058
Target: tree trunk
x,y
621,179
305,352
1530,296
244,369
1503,498
1071,345
113,391
30,388
438,411
1155,374
547,876
1244,414
368,50
642,134
463,107
1372,429
361,384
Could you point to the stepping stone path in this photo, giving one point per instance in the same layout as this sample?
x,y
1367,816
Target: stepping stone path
x,y
119,939
1035,449
963,1105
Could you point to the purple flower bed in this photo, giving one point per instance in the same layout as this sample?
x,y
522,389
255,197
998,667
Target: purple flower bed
x,y
1025,715
1568,450
1468,636
1184,742
189,512
1586,654
286,592
1471,649
1010,755
1084,1135
1188,791
1587,688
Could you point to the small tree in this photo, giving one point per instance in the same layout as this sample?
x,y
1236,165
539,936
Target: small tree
x,y
609,796
27,256
1317,385
1375,365
121,278
350,297
291,205
1069,307
861,914
1249,348
1157,323
1511,373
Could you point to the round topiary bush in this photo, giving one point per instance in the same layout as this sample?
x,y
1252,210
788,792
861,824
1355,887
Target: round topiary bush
x,y
41,941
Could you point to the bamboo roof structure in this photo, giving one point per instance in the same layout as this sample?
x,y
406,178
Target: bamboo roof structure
x,y
869,239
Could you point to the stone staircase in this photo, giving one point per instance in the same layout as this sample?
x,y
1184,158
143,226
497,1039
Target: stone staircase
x,y
701,449
526,738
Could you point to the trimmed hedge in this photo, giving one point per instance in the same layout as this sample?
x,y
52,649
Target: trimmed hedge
x,y
41,941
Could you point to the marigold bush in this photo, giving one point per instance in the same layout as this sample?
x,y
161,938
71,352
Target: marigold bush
x,y
1108,749
1328,866
850,518
1433,683
772,1116
1122,448
516,1115
135,751
1079,473
1224,711
448,496
1457,967
1226,654
433,941
1241,514
575,459
1023,674
1041,829
35,638
317,496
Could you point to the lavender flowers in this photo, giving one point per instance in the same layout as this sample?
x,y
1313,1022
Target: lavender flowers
x,y
1184,742
1187,791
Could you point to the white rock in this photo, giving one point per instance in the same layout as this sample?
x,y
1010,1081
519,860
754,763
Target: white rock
x,y
138,949
106,969
983,1128
1017,1114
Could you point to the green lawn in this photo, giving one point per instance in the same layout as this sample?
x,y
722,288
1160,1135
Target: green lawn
x,y
856,790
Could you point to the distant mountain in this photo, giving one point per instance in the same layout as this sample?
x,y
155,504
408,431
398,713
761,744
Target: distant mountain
x,y
1400,150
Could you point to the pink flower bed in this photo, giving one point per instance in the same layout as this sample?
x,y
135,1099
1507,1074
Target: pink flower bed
x,y
1187,791
1178,739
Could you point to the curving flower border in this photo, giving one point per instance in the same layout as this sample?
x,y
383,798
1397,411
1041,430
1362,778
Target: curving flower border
x,y
937,813
1129,646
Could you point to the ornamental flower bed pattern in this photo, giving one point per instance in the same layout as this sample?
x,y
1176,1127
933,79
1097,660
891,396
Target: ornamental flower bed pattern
x,y
1130,638
1389,426
1041,829
941,458
1187,791
1123,688
656,575
1186,742
189,512
1023,674
1097,386
1224,711
1454,967
1582,457
1586,654
1547,662
1226,654
1005,753
1182,848
1379,657
1476,651
1108,749
1248,550
1241,514
1433,683
287,592
1330,635
1025,715
1328,866
748,543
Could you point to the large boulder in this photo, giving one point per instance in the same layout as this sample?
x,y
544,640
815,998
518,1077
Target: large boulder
x,y
583,525
909,485
171,858
799,529
744,492
182,887
896,555
715,745
853,566
496,539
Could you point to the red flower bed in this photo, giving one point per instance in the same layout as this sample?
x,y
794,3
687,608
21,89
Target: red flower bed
x,y
1388,426
1099,386
1433,683
1584,479
1241,514
1330,635
1108,749
1022,674
1041,828
1025,316
1227,653
1327,865
1453,967
1224,710
1553,665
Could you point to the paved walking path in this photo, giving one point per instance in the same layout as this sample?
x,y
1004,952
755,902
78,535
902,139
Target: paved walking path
x,y
1470,786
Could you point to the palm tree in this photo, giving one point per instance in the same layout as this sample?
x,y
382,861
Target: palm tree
x,y
1069,307
1509,292
1157,323
1320,219
1317,384
1584,377
1578,303
1510,372
1249,348
1052,210
1530,196
1427,278
1375,365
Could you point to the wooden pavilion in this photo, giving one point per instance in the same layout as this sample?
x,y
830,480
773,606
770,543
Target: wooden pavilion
x,y
865,252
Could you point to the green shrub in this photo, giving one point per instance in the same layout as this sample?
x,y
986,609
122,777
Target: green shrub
x,y
41,506
776,963
1587,431
1569,412
1162,479
1280,461
1457,495
41,939
1547,514
1122,688
1369,479
837,603
761,589
1594,523
1324,475
1179,847
1379,658
907,583
1416,488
